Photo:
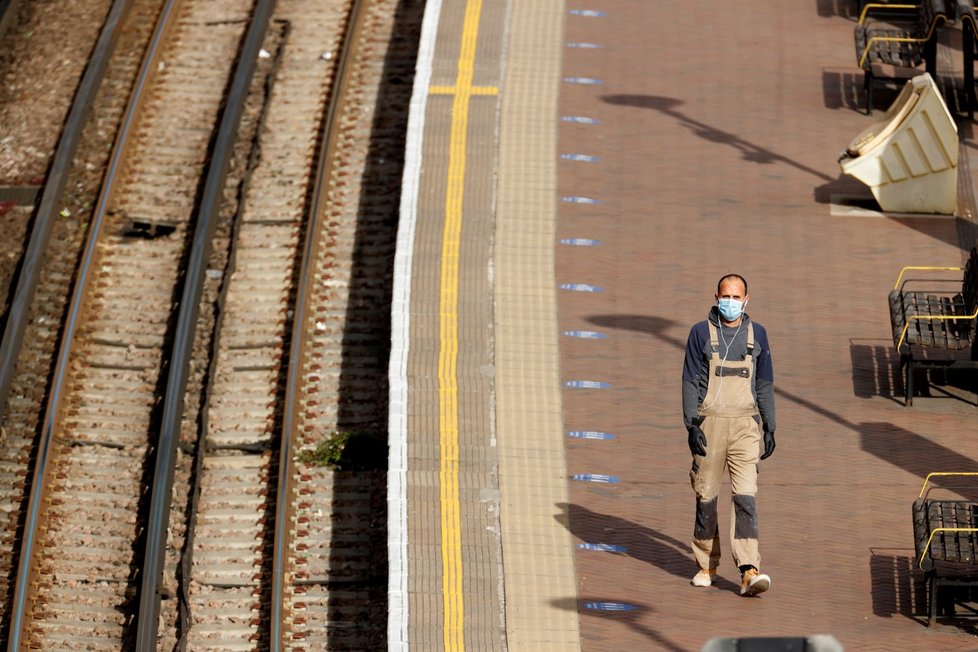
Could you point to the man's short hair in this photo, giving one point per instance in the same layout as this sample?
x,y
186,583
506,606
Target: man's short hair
x,y
730,277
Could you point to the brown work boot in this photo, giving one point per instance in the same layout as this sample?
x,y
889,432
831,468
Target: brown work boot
x,y
753,582
704,577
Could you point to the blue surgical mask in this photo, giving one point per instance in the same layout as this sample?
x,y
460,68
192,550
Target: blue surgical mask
x,y
730,309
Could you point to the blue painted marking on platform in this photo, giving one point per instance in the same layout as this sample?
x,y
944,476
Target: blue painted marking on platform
x,y
577,199
580,287
587,13
600,478
586,158
585,46
586,335
587,81
590,434
587,384
580,119
602,547
609,606
580,242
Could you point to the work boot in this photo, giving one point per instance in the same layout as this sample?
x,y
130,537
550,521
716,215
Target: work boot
x,y
753,582
704,578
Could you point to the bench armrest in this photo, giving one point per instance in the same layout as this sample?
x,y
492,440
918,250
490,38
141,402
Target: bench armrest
x,y
906,326
944,474
896,286
882,5
920,562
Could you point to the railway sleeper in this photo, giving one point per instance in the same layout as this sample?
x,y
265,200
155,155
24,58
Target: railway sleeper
x,y
224,544
88,439
229,521
248,580
95,414
230,646
224,480
247,497
209,569
54,631
231,464
95,612
246,442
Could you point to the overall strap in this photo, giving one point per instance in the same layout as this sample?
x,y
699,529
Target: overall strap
x,y
714,341
750,340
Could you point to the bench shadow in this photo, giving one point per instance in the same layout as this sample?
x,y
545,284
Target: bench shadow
x,y
642,543
876,370
900,589
897,586
841,8
844,90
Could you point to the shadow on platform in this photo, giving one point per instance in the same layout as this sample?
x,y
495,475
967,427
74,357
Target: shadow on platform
x,y
876,369
841,8
633,615
641,543
844,90
749,151
920,456
897,589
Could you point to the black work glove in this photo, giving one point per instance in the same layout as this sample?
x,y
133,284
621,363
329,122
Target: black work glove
x,y
768,444
697,440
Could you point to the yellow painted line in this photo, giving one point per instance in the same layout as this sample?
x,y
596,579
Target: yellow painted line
x,y
474,90
451,527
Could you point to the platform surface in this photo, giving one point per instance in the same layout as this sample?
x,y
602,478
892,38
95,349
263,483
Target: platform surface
x,y
614,159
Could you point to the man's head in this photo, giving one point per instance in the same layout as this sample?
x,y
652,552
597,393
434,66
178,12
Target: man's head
x,y
731,298
737,280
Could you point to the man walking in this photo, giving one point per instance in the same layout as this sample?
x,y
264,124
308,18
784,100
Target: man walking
x,y
728,391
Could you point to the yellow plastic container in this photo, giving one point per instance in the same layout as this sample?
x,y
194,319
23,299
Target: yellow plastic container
x,y
910,157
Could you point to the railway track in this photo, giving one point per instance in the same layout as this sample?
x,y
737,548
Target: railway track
x,y
24,409
231,581
85,565
332,550
233,518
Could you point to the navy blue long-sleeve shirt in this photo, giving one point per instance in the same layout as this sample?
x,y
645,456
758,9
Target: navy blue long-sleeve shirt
x,y
696,367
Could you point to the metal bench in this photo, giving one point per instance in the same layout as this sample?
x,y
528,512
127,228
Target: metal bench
x,y
945,545
969,45
938,317
902,36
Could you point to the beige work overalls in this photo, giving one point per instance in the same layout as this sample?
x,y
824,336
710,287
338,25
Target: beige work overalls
x,y
733,440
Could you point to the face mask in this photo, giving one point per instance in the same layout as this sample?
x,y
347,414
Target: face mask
x,y
730,309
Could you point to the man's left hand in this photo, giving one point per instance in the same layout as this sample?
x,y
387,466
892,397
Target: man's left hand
x,y
768,444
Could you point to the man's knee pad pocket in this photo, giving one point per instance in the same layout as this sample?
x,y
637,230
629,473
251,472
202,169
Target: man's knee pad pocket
x,y
706,519
745,517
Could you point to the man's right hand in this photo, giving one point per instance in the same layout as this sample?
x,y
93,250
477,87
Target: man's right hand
x,y
697,440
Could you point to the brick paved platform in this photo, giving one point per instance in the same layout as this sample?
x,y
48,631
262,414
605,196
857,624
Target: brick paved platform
x,y
720,126
707,137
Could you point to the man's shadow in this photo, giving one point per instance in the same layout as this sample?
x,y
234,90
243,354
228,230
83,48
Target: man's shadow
x,y
641,543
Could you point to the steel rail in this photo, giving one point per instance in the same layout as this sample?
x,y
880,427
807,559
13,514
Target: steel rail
x,y
187,560
27,286
147,623
325,160
54,187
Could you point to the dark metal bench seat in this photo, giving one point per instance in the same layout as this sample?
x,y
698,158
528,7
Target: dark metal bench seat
x,y
945,545
940,317
903,36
